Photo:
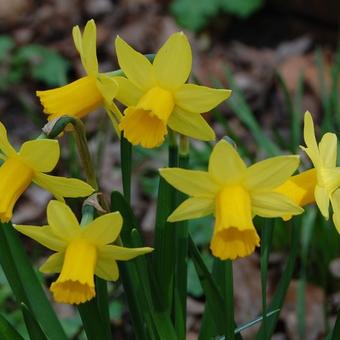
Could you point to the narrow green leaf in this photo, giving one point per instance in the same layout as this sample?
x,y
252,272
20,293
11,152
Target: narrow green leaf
x,y
336,330
181,264
139,281
213,296
92,322
164,244
32,325
7,331
266,241
281,290
229,300
33,294
250,324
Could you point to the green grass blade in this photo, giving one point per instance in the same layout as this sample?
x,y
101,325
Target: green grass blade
x,y
281,290
7,331
34,296
266,241
229,300
239,105
307,226
34,330
181,264
336,330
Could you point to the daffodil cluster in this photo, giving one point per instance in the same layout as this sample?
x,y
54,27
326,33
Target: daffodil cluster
x,y
157,98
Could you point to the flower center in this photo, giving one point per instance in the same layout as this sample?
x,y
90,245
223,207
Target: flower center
x,y
75,283
146,123
75,99
234,234
15,177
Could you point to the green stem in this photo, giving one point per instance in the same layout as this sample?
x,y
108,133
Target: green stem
x,y
126,160
229,300
181,254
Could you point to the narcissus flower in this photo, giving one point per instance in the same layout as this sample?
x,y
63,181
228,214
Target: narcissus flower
x,y
157,97
322,183
234,194
19,169
87,93
81,252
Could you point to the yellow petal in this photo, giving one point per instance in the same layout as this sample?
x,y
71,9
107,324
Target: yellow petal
x,y
104,229
196,98
62,221
193,208
309,136
190,124
43,235
107,86
77,39
328,150
300,188
53,264
15,177
135,66
89,52
273,204
5,145
335,200
75,99
322,200
106,268
41,154
191,182
173,61
62,186
270,173
122,253
128,94
225,164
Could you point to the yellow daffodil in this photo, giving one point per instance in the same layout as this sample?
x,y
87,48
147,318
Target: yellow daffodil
x,y
322,183
19,169
81,252
234,194
87,93
157,97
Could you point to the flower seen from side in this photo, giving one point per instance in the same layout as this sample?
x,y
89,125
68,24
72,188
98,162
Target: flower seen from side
x,y
87,93
320,184
157,97
233,193
29,164
80,252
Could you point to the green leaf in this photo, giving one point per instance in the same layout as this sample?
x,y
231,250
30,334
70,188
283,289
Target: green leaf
x,y
241,8
336,330
193,14
32,325
125,159
7,331
6,44
46,65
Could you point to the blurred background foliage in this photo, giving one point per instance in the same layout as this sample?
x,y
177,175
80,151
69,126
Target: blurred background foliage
x,y
280,58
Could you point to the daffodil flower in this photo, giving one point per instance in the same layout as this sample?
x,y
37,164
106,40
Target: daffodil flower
x,y
81,252
157,97
234,193
19,169
87,93
322,183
